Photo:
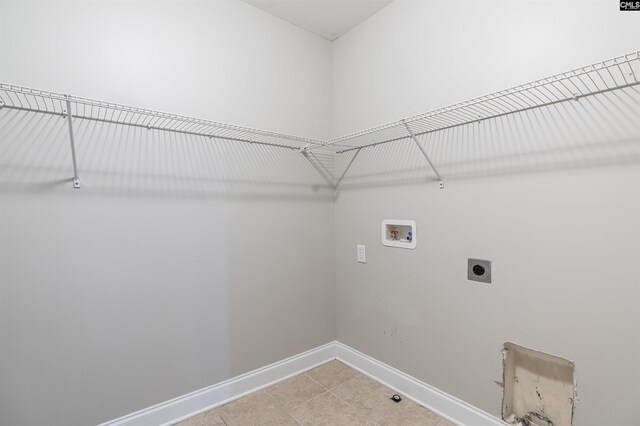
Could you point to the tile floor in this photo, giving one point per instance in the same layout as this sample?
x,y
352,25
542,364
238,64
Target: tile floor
x,y
332,394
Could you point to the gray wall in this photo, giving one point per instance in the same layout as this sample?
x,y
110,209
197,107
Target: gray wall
x,y
551,197
181,262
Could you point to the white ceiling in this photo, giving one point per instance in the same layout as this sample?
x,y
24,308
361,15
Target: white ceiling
x,y
327,18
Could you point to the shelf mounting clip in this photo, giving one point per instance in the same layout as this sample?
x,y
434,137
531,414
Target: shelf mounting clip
x,y
69,116
413,136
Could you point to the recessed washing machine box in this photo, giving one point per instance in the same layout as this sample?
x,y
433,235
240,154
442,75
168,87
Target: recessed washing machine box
x,y
399,233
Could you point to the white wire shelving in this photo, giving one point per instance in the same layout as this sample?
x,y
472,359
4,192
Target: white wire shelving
x,y
74,107
602,77
46,102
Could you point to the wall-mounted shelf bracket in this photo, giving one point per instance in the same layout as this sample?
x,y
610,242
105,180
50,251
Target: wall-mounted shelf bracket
x,y
413,136
348,166
68,115
324,173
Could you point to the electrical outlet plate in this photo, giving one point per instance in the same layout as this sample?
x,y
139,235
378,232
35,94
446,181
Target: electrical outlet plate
x,y
479,270
361,254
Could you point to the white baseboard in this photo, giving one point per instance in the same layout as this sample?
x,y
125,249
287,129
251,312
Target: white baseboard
x,y
183,407
440,402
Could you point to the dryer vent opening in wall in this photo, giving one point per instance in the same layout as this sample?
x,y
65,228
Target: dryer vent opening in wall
x,y
539,389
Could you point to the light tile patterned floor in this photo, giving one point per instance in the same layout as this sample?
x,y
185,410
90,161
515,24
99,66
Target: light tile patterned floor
x,y
332,394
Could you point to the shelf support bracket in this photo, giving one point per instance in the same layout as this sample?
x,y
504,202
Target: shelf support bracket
x,y
76,179
413,136
315,166
348,166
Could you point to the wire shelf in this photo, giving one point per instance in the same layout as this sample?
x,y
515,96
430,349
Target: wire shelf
x,y
46,102
617,73
599,78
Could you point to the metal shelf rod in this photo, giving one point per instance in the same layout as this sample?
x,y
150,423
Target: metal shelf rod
x,y
424,152
76,180
348,167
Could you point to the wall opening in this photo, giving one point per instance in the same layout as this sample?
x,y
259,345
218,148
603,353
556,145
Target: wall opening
x,y
539,389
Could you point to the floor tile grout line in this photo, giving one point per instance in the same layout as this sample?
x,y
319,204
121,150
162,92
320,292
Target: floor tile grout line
x,y
266,390
330,390
335,387
339,362
315,381
294,418
368,410
278,404
285,410
308,400
343,383
346,402
364,412
223,420
317,396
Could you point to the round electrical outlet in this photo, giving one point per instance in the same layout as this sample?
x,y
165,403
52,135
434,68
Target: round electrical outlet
x,y
478,269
